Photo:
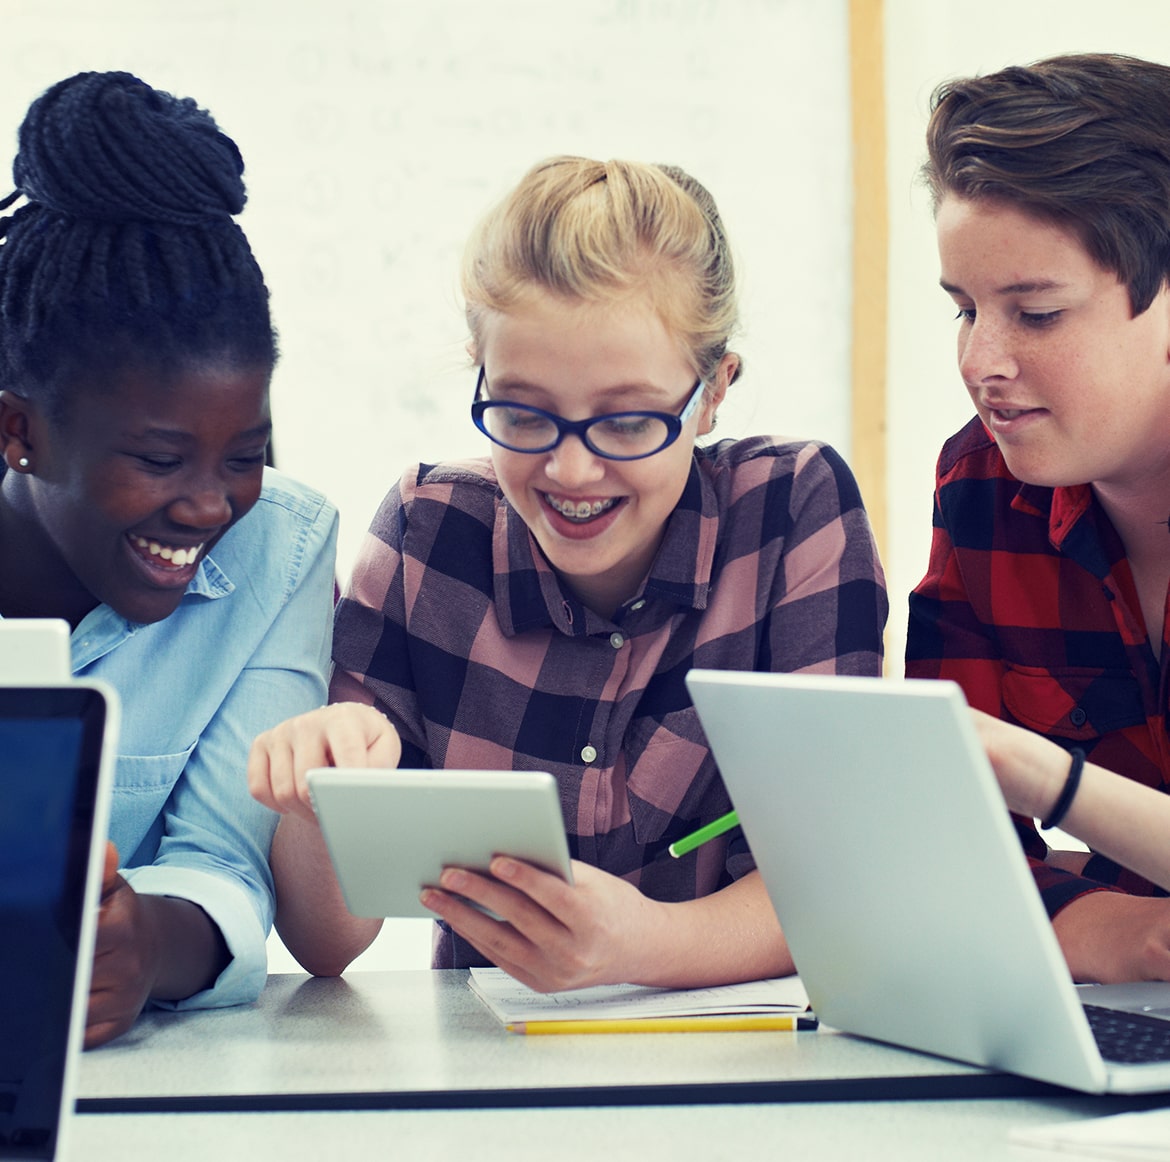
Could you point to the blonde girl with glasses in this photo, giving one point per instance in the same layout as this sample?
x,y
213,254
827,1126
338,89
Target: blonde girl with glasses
x,y
539,609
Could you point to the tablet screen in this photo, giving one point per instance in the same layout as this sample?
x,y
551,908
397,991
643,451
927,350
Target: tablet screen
x,y
390,833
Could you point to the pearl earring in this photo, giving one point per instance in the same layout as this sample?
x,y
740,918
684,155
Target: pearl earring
x,y
22,462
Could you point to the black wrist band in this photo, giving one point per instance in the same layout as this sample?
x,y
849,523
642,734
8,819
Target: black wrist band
x,y
1068,793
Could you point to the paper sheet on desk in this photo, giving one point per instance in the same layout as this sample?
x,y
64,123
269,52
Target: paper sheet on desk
x,y
1137,1137
513,1002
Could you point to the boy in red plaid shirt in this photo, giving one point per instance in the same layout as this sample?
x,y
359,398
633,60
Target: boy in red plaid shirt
x,y
1046,593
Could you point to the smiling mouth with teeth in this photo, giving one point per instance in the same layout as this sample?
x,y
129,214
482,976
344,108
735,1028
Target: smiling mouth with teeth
x,y
579,511
166,556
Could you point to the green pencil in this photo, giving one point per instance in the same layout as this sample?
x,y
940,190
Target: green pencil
x,y
698,838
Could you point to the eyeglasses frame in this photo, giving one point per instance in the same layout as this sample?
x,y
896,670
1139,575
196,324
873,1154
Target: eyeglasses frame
x,y
580,428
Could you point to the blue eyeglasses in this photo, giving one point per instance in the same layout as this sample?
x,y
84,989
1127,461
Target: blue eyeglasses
x,y
616,436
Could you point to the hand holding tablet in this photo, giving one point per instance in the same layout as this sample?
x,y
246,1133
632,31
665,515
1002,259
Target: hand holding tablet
x,y
390,833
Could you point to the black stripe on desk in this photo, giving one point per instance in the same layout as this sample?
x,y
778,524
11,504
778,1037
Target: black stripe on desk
x,y
930,1088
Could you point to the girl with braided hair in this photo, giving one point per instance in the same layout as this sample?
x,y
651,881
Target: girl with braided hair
x,y
136,350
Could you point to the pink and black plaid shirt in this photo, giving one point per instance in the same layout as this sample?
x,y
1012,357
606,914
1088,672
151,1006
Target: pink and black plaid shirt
x,y
456,627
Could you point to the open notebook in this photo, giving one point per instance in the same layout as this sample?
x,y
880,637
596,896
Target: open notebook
x,y
894,868
56,763
753,1004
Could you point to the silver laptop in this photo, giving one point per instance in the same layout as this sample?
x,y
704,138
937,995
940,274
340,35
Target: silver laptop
x,y
34,650
894,868
57,752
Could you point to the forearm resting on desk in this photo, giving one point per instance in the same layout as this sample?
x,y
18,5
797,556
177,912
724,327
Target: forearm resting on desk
x,y
311,916
148,948
1111,938
193,949
732,935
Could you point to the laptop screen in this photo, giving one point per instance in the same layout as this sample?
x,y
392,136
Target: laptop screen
x,y
50,759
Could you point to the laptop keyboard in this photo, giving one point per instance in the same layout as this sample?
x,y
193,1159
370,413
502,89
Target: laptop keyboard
x,y
1129,1038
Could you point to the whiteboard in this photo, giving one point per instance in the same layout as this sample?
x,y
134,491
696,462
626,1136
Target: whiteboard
x,y
376,132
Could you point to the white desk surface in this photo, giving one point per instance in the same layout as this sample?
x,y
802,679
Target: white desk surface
x,y
918,1131
425,1032
423,1035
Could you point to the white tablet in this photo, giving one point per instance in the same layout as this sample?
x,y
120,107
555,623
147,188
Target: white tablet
x,y
390,833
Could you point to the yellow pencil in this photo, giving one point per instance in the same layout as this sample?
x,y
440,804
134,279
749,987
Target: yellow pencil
x,y
788,1022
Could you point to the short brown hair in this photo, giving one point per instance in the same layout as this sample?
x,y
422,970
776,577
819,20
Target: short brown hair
x,y
1079,140
599,231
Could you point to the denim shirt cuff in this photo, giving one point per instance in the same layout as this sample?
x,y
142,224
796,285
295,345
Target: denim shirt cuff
x,y
231,910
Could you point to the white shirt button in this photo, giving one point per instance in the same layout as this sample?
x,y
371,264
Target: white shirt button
x,y
616,640
588,754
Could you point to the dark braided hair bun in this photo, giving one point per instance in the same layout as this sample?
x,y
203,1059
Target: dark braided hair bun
x,y
126,251
107,146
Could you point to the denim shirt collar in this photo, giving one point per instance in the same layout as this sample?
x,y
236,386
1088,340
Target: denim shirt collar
x,y
102,630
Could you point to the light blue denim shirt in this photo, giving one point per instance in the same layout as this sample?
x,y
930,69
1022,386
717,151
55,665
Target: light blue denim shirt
x,y
247,647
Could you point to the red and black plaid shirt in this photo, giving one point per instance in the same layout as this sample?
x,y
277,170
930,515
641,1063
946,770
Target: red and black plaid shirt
x,y
1029,604
456,627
